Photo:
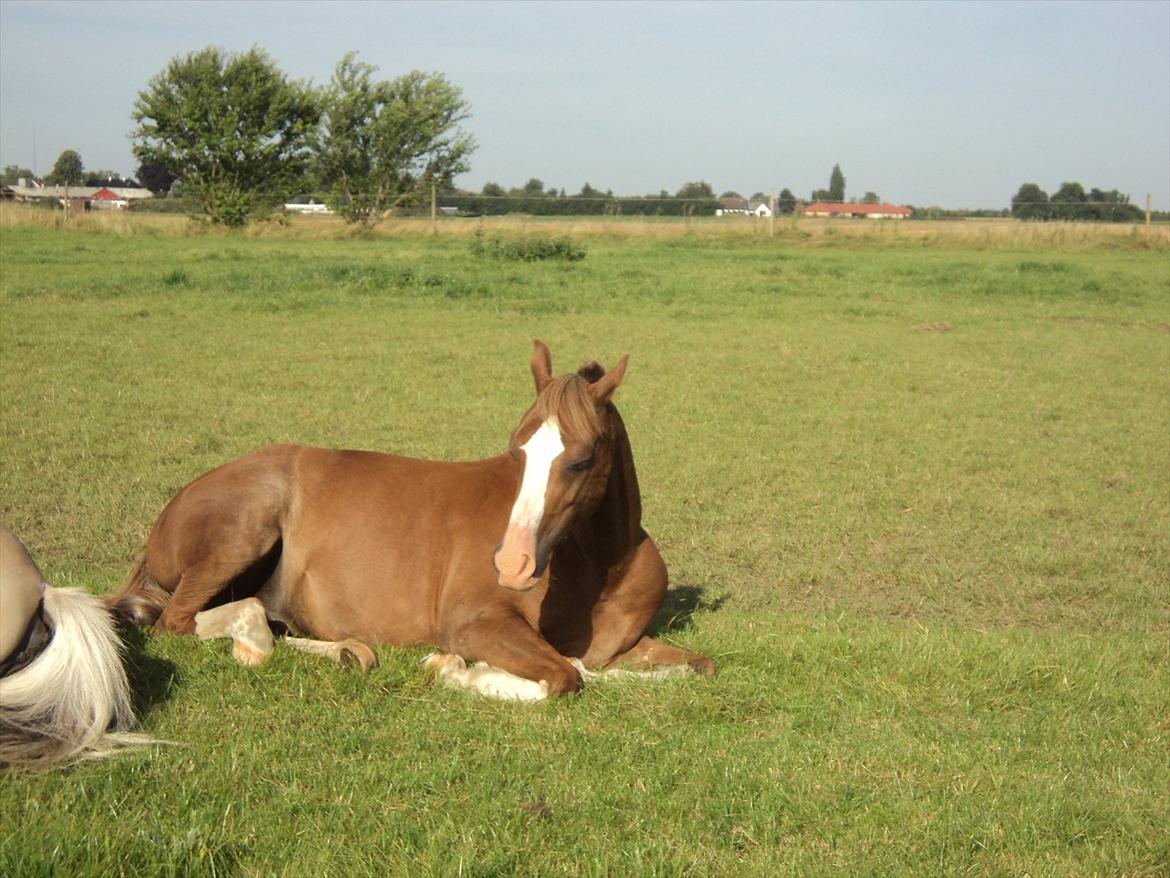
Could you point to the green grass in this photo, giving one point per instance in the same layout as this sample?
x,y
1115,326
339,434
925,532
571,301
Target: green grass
x,y
915,501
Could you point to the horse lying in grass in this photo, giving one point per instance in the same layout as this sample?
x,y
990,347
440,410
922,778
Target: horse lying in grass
x,y
63,691
532,563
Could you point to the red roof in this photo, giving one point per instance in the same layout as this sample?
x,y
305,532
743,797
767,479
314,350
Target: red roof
x,y
857,209
105,194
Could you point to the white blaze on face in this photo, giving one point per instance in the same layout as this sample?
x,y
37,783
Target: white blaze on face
x,y
541,449
516,559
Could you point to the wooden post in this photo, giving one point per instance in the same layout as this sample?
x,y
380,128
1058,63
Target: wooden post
x,y
434,210
772,215
1149,207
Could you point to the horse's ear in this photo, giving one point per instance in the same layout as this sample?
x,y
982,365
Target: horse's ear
x,y
541,364
602,389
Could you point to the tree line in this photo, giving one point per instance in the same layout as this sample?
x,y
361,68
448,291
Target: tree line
x,y
1071,202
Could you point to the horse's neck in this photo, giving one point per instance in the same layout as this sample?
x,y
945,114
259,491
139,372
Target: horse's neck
x,y
615,527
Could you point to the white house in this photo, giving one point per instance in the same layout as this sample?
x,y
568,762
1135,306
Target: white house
x,y
743,207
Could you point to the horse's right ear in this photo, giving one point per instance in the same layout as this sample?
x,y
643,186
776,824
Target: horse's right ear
x,y
541,364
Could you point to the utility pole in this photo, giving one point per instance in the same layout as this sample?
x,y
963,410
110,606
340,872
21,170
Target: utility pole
x,y
772,215
1149,207
434,210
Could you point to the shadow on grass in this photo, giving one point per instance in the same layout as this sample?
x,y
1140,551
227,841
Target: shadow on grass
x,y
152,679
679,607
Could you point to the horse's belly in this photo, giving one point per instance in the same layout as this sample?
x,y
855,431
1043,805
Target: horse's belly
x,y
333,594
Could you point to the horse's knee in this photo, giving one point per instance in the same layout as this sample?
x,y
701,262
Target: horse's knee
x,y
176,621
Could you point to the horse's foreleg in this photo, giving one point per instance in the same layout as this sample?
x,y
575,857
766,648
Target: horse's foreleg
x,y
650,655
508,644
453,671
344,652
245,622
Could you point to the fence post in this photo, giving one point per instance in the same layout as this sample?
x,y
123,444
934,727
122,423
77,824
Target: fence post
x,y
772,215
434,210
1149,207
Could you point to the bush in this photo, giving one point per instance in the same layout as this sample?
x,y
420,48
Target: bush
x,y
533,248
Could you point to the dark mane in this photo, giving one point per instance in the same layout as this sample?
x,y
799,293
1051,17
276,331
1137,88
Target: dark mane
x,y
567,399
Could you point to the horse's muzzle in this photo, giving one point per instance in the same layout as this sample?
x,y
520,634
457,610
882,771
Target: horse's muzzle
x,y
516,563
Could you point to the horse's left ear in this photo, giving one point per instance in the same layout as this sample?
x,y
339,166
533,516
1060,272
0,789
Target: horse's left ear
x,y
541,364
602,389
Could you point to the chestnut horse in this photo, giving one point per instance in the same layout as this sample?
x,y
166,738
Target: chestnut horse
x,y
533,562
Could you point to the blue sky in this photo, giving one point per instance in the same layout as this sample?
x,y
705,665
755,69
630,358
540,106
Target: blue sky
x,y
954,104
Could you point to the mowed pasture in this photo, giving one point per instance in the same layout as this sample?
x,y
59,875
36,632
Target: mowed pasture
x,y
913,487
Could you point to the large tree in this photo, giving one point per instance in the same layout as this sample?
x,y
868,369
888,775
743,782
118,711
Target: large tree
x,y
382,141
786,203
67,170
231,126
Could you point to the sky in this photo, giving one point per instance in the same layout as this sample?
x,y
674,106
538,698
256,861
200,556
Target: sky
x,y
952,104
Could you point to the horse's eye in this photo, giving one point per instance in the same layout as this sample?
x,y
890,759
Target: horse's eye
x,y
579,466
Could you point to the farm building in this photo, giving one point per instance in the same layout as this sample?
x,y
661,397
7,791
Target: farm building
x,y
80,197
743,207
868,211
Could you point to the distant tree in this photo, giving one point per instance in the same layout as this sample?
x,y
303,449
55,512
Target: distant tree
x,y
231,126
759,196
1030,202
67,170
1069,193
1066,202
588,191
533,187
13,173
696,189
731,193
155,177
871,198
822,195
1111,197
383,140
836,184
493,190
786,203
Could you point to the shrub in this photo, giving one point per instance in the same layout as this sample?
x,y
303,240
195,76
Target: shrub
x,y
532,248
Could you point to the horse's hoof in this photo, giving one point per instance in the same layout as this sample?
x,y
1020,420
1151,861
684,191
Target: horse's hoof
x,y
249,655
357,654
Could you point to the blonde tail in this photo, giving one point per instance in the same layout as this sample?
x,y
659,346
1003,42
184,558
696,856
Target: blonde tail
x,y
73,701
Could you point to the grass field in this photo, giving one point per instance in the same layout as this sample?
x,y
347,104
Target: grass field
x,y
913,486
